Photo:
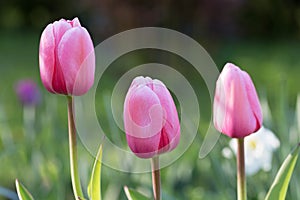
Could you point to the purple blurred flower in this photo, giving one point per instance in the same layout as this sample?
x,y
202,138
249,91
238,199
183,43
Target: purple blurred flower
x,y
28,93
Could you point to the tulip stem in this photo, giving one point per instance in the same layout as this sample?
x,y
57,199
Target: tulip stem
x,y
241,178
73,152
156,178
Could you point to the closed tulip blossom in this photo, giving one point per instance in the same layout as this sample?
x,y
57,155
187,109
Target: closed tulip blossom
x,y
237,111
237,114
150,118
67,66
66,57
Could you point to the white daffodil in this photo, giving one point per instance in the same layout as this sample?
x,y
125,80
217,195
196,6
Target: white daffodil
x,y
259,148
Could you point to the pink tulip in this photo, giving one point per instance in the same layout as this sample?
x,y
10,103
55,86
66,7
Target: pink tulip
x,y
237,111
67,58
150,118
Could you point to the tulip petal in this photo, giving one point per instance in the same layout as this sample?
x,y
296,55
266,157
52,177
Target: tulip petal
x,y
59,29
143,113
143,147
77,60
58,83
47,57
219,107
253,100
240,117
75,22
143,119
140,104
171,128
142,81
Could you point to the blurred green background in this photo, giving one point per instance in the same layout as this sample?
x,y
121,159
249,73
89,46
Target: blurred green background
x,y
260,36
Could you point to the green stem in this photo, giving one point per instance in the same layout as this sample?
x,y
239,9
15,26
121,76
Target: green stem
x,y
241,178
156,178
73,152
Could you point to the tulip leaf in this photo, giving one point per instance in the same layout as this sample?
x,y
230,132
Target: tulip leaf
x,y
280,185
134,195
94,188
23,193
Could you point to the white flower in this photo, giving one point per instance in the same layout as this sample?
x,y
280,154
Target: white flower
x,y
259,148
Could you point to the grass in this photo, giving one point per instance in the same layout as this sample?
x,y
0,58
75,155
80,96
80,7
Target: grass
x,y
42,164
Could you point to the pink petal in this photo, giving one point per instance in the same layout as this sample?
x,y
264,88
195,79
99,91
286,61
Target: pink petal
x,y
253,100
75,22
59,29
171,131
58,81
143,147
140,80
143,119
77,60
47,57
143,114
219,107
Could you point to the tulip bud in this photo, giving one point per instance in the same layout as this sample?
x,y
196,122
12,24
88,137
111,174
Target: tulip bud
x,y
237,111
150,118
67,58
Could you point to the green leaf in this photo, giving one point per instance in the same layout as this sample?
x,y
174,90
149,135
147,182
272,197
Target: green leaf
x,y
94,188
134,195
280,185
23,193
